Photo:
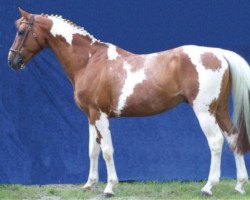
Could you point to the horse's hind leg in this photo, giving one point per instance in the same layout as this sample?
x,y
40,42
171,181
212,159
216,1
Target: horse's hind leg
x,y
215,141
231,135
242,175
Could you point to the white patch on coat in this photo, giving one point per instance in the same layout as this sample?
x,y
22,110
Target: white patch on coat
x,y
103,127
102,124
149,59
132,79
61,27
112,52
209,80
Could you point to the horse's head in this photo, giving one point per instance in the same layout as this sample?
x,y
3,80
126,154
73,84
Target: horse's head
x,y
28,42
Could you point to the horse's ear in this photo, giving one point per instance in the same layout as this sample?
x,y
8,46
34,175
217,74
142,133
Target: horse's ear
x,y
25,14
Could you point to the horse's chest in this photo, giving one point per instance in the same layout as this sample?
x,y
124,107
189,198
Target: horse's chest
x,y
92,92
81,99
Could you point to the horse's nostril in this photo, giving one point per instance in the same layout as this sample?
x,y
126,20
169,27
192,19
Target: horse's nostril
x,y
17,60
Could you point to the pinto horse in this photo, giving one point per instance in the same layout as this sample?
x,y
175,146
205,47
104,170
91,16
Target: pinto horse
x,y
111,82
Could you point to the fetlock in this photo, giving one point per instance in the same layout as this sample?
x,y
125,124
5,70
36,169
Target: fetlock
x,y
90,183
240,185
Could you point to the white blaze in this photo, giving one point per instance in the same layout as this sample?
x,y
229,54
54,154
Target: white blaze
x,y
112,53
132,79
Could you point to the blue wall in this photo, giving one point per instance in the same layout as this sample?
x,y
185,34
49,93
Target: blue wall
x,y
43,135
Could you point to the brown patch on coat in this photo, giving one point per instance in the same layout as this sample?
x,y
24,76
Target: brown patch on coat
x,y
241,144
99,136
188,77
94,115
222,110
210,61
213,107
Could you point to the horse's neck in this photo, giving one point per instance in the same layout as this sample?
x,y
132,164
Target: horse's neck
x,y
74,46
73,57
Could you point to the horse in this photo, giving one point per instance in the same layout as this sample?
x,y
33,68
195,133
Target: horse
x,y
109,81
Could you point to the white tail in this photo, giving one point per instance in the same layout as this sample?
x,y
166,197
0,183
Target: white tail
x,y
240,73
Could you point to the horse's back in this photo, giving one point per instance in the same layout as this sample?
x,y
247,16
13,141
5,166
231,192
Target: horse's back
x,y
153,83
139,85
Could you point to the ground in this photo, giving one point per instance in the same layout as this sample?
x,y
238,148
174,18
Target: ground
x,y
124,191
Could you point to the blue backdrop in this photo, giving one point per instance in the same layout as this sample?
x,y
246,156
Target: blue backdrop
x,y
43,135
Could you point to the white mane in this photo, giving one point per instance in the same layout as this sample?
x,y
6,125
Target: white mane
x,y
67,29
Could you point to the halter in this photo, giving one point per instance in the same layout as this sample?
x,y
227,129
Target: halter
x,y
34,35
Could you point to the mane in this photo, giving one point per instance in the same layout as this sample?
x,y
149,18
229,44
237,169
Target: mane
x,y
73,26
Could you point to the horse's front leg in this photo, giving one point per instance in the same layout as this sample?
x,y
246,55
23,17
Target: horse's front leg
x,y
102,125
100,136
94,151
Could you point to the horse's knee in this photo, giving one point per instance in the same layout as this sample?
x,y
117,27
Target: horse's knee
x,y
216,142
108,154
231,140
93,154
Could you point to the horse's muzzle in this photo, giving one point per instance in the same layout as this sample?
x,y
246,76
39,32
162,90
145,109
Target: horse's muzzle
x,y
15,61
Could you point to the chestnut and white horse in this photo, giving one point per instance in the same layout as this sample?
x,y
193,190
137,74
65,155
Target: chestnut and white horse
x,y
111,82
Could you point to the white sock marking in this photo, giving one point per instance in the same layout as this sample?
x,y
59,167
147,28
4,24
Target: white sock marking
x,y
94,150
107,149
215,141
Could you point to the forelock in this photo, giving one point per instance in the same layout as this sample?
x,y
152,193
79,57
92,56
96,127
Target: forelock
x,y
19,22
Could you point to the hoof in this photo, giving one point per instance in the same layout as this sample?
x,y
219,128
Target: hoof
x,y
108,195
241,191
206,194
86,189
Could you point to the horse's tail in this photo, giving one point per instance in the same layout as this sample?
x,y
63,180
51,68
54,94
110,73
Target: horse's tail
x,y
240,73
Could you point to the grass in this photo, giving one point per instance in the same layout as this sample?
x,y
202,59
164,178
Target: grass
x,y
126,191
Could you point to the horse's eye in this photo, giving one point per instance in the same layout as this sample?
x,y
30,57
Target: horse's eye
x,y
20,33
